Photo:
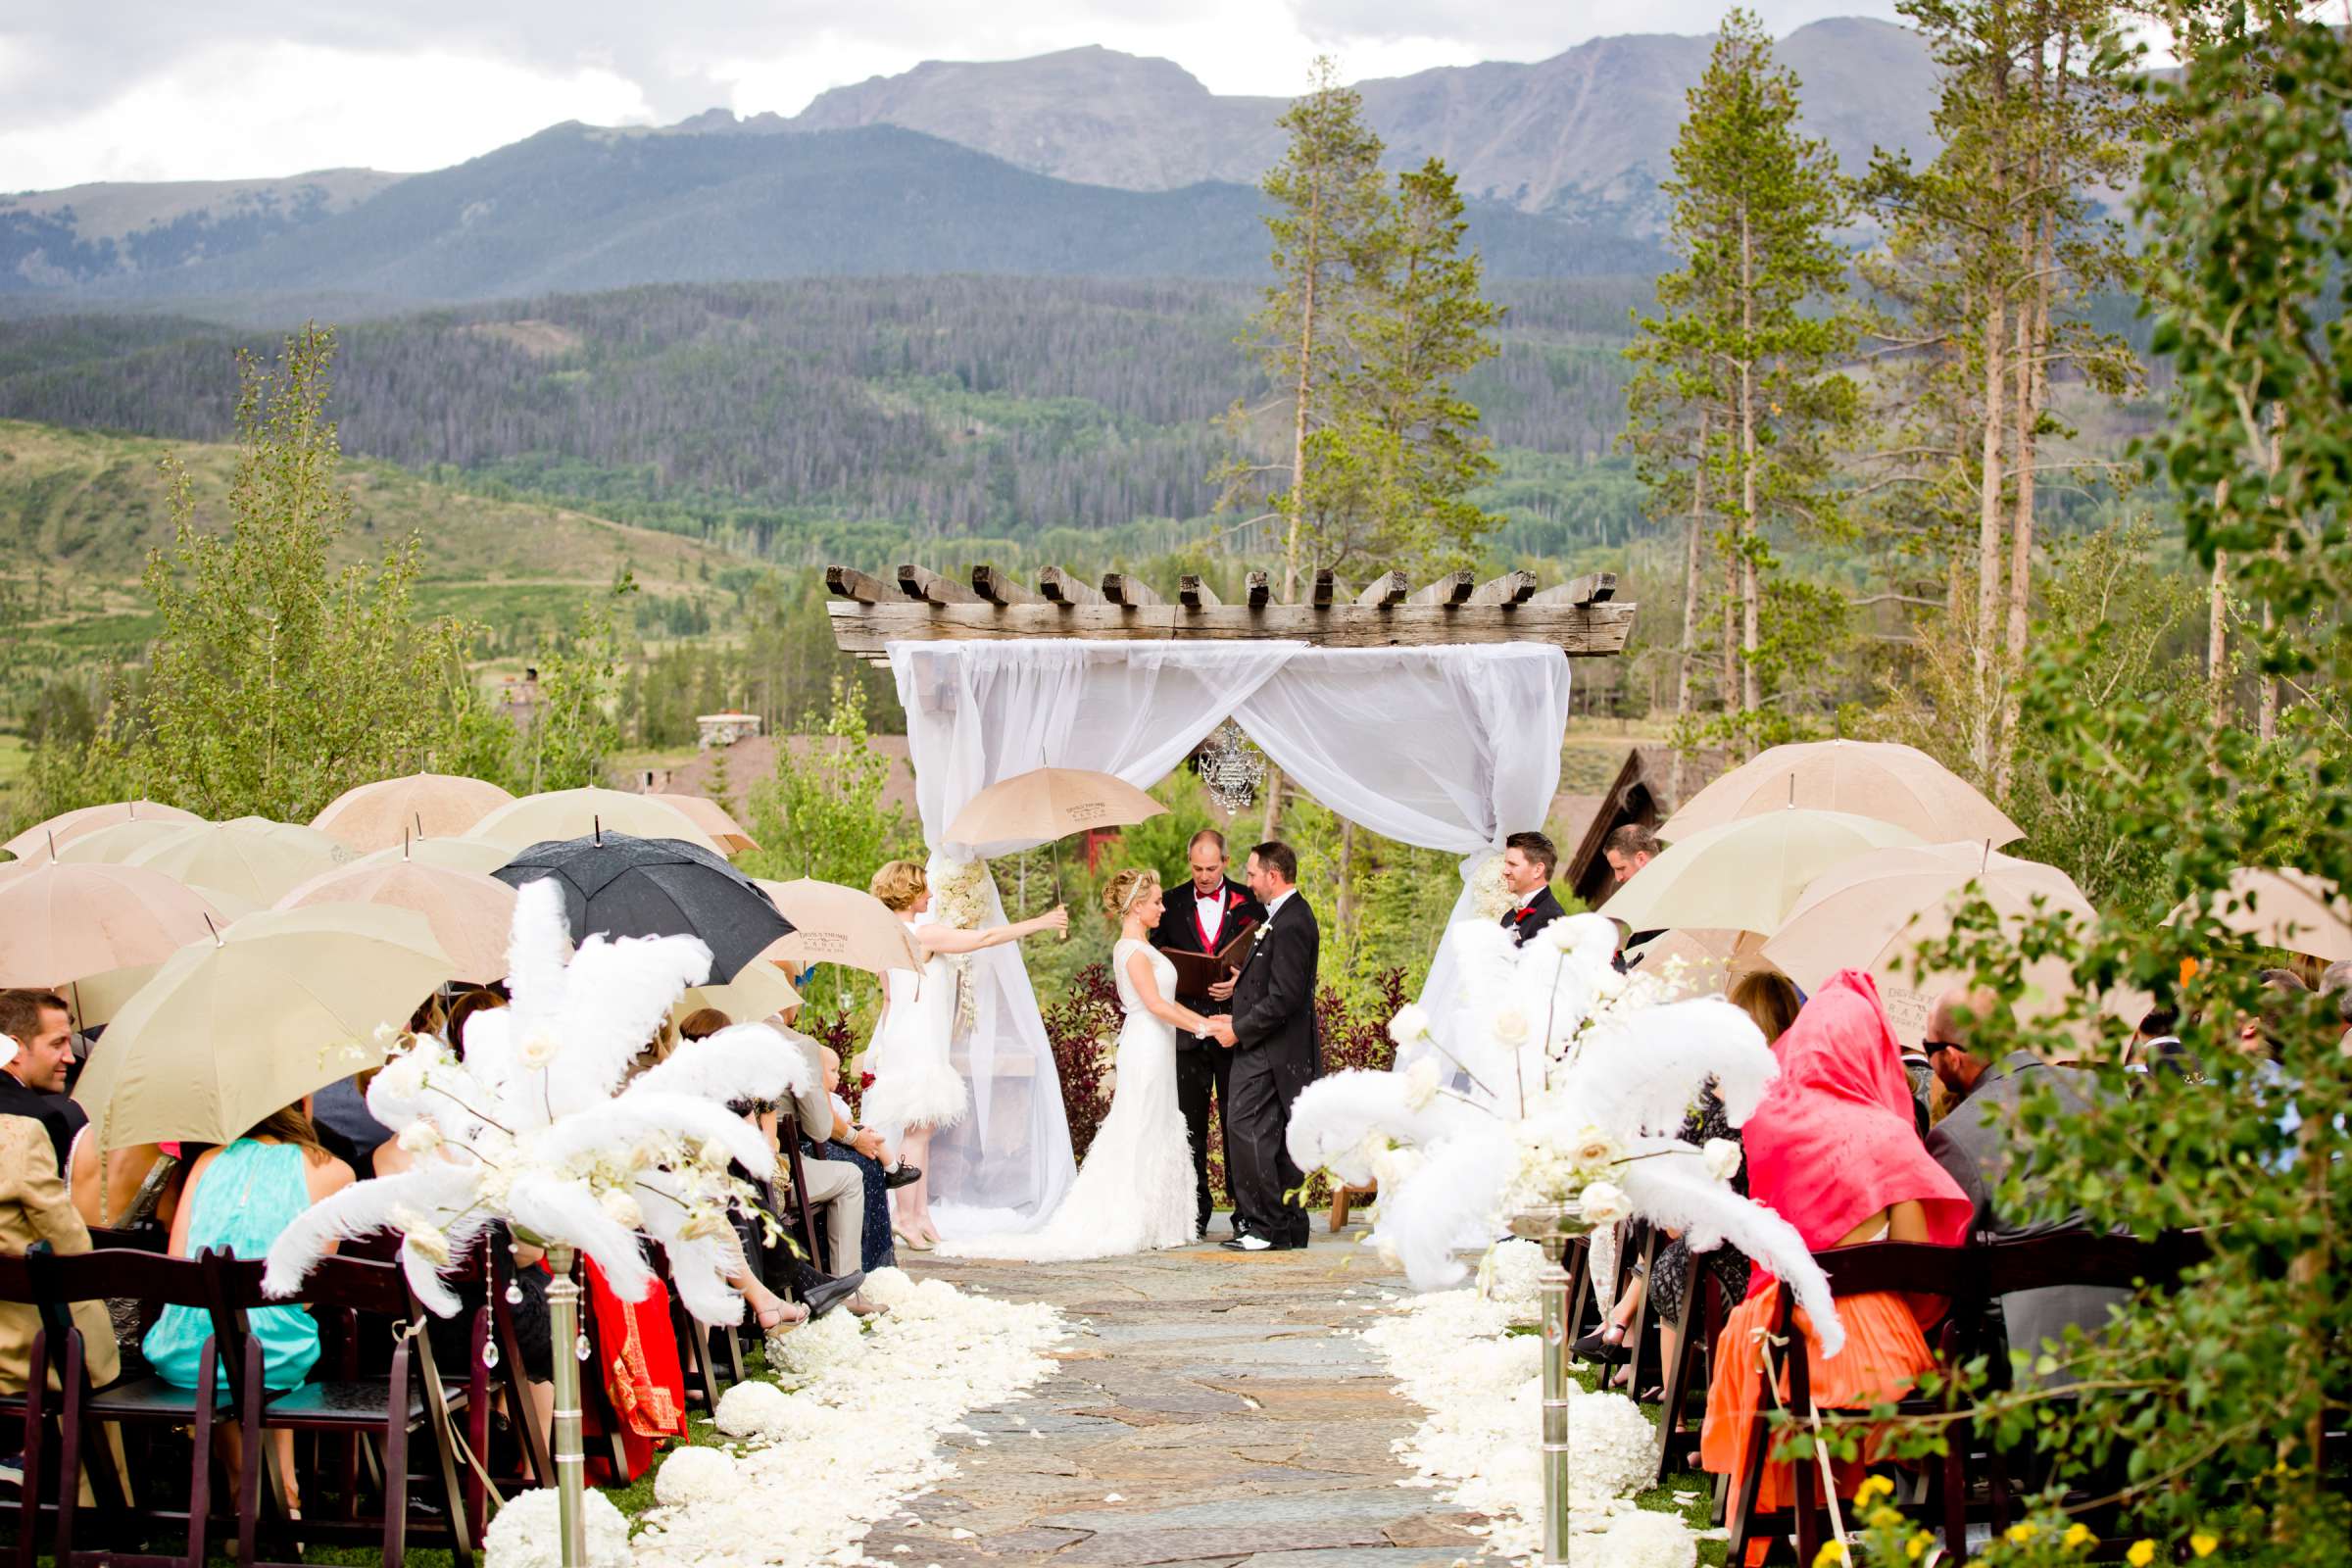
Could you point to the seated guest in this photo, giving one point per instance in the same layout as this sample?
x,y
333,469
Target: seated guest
x,y
1528,861
241,1196
1834,1150
33,1203
835,1187
866,1148
2156,1044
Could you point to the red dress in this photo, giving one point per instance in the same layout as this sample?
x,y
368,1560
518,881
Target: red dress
x,y
643,1379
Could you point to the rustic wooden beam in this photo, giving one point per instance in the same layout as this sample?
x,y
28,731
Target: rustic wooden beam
x,y
1593,588
1330,590
1385,590
1127,589
865,631
1193,592
1260,586
1454,588
921,582
998,587
1511,588
1065,589
847,582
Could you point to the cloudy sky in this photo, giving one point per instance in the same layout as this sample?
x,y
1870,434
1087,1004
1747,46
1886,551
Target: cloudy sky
x,y
218,89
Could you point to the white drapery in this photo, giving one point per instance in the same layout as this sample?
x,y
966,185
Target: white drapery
x,y
1449,748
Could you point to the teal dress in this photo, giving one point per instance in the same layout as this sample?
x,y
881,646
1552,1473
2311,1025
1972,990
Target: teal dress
x,y
249,1194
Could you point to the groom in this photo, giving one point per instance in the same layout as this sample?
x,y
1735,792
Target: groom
x,y
1272,1034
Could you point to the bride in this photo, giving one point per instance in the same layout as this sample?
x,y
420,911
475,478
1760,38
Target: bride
x,y
1135,1192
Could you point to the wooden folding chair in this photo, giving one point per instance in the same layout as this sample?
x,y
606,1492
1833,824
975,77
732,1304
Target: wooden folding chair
x,y
788,1139
34,1407
1696,1328
385,1409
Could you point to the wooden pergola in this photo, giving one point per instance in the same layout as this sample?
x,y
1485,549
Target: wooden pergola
x,y
1582,618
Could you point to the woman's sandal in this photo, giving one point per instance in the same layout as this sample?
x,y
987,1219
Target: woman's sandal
x,y
908,1241
784,1314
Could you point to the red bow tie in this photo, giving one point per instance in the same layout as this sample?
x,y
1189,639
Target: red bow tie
x,y
1524,913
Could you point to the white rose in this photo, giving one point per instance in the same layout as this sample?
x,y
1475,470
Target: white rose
x,y
1606,1203
1411,1023
1594,1149
428,1243
419,1138
1722,1157
1560,935
1421,1084
403,1077
1510,1026
621,1208
537,1049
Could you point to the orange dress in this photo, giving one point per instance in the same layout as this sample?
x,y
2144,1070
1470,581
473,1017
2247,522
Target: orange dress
x,y
1886,1351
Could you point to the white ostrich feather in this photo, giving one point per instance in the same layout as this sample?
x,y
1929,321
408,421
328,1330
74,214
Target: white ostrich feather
x,y
747,1060
697,1268
539,941
616,996
1454,1189
1678,1193
550,1207
637,1115
360,1210
1645,1071
1332,1119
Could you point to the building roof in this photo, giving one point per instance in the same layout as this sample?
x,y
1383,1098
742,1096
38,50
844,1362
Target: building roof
x,y
1643,792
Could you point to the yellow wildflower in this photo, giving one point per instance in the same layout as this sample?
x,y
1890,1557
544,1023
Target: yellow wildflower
x,y
2142,1553
1831,1553
1874,1486
1917,1546
2022,1530
2202,1541
2077,1534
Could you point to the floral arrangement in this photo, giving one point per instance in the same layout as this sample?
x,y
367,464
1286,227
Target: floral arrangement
x,y
523,1535
539,1124
1585,1074
1491,898
962,897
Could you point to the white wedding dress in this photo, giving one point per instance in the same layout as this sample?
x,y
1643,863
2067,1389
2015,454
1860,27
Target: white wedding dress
x,y
915,1083
1135,1192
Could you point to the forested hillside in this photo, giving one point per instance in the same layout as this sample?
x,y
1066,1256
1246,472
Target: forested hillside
x,y
769,415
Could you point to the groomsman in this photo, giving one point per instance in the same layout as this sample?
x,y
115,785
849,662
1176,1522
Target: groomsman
x,y
1202,918
1528,860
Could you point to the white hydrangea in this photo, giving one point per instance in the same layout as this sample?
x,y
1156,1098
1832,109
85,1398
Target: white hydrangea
x,y
693,1475
1640,1539
807,1352
1515,1271
753,1410
524,1534
888,1288
1411,1023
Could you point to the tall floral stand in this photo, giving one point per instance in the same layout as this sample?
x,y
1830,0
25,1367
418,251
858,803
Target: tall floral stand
x,y
570,1455
1553,1228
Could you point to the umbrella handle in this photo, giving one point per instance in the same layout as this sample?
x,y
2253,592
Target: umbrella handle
x,y
1059,900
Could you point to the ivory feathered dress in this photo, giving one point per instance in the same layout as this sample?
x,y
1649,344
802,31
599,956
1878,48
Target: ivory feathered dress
x,y
915,1084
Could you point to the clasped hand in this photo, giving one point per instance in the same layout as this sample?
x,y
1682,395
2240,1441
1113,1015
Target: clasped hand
x,y
1220,1029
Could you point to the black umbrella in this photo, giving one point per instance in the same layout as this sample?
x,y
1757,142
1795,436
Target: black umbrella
x,y
632,887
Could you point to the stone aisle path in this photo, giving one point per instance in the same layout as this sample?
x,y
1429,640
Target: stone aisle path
x,y
1210,1419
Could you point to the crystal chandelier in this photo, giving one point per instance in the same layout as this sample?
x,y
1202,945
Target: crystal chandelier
x,y
1232,768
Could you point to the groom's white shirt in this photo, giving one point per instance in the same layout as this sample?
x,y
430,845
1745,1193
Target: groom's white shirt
x,y
1280,899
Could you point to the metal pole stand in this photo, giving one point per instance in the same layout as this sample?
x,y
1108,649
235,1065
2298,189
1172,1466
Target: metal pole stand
x,y
1552,1229
563,1328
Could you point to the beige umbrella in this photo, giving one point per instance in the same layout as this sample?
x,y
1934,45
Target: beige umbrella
x,y
577,813
62,922
470,913
117,842
250,858
1898,784
757,993
2291,910
1747,873
1874,913
1710,959
97,998
713,818
67,826
378,815
457,854
834,924
1046,804
279,1005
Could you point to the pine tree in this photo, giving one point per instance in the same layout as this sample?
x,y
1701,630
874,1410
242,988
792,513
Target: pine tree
x,y
1740,394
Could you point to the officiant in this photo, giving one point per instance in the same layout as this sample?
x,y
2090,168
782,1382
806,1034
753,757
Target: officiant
x,y
1204,917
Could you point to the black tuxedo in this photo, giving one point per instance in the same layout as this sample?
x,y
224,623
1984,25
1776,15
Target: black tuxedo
x,y
1532,917
1276,1054
1203,1067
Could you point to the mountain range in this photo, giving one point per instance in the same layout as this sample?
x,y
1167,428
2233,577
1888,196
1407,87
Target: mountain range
x,y
1086,162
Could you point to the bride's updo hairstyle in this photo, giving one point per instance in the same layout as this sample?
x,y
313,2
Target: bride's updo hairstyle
x,y
898,884
1128,889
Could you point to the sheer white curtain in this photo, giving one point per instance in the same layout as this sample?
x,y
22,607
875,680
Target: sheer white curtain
x,y
979,712
1450,748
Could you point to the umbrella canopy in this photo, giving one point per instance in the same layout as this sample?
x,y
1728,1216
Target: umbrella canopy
x,y
469,914
378,815
2288,909
632,887
1874,911
1050,803
1711,959
756,995
834,924
583,813
237,1027
713,818
1891,783
456,854
250,858
67,826
117,843
61,923
1745,875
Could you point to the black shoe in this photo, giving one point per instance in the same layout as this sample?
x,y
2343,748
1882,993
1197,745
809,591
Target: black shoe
x,y
1232,1243
1593,1347
823,1298
903,1176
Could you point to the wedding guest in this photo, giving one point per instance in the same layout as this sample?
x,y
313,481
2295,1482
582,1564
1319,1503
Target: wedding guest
x,y
835,1188
916,1088
1627,849
1528,860
1832,1148
240,1197
1204,917
34,1206
868,1150
33,1081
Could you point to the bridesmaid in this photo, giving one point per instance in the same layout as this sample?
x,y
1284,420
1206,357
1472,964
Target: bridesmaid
x,y
916,1088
